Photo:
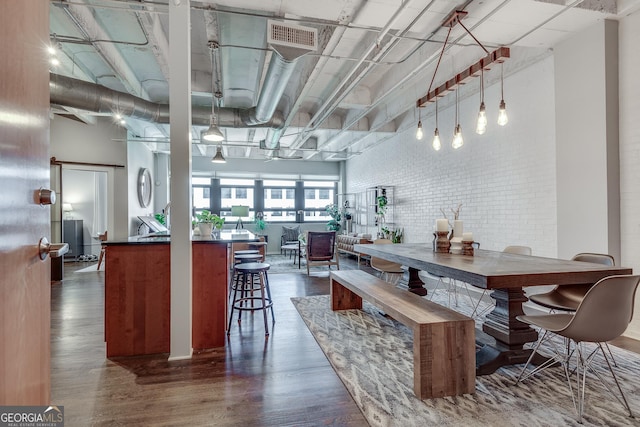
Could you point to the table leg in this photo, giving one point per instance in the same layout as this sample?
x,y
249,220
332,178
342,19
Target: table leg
x,y
412,280
509,334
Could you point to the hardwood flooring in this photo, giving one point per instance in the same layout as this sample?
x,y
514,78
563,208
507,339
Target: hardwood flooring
x,y
285,380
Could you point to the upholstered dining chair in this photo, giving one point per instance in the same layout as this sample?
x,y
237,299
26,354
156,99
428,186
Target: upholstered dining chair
x,y
389,271
603,314
321,249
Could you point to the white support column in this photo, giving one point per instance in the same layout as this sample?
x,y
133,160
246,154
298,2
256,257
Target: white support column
x,y
180,122
588,174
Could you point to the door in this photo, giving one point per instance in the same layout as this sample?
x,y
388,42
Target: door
x,y
24,168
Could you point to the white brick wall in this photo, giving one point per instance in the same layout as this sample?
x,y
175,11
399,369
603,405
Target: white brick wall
x,y
505,179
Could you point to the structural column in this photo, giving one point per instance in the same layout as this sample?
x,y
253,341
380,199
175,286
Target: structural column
x,y
180,187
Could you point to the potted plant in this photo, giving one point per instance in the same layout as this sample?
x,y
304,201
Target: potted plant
x,y
259,224
207,221
334,223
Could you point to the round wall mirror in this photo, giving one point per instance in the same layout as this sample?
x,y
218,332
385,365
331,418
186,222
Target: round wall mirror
x,y
144,187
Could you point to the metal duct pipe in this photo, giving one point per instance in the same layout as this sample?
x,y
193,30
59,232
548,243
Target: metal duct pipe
x,y
275,82
88,96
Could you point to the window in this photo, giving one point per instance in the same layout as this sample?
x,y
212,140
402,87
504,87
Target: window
x,y
317,195
234,192
279,200
276,207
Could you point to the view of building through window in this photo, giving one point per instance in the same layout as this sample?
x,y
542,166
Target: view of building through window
x,y
278,200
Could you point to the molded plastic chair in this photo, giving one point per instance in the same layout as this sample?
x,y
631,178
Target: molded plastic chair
x,y
568,297
603,314
321,249
389,271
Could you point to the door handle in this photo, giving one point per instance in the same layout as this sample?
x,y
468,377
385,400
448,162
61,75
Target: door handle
x,y
54,250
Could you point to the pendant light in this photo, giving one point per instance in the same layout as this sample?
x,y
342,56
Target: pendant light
x,y
457,133
436,144
219,158
502,114
213,134
481,126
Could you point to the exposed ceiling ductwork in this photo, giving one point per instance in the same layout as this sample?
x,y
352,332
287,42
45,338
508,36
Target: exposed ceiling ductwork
x,y
69,92
344,78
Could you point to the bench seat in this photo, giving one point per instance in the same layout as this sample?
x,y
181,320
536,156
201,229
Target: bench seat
x,y
443,340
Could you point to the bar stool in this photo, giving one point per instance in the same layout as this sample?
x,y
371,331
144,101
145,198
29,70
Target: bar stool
x,y
247,285
247,252
241,258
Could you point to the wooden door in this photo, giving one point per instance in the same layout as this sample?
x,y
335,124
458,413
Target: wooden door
x,y
24,168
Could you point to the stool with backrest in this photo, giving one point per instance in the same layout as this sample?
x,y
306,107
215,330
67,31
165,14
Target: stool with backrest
x,y
603,314
252,280
389,271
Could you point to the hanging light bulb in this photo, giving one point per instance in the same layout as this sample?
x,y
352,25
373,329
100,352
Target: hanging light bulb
x,y
436,144
481,126
219,158
419,133
503,119
457,133
457,138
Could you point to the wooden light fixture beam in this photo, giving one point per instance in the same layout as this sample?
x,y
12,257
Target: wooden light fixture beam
x,y
497,56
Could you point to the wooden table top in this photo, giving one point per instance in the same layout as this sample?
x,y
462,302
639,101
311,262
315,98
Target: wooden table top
x,y
492,269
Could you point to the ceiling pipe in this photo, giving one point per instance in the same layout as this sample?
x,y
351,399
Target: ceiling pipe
x,y
281,67
88,96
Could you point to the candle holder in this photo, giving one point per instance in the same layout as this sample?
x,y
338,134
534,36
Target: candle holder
x,y
442,242
456,245
467,247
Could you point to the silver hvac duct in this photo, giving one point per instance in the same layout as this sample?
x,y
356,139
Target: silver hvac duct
x,y
88,96
275,82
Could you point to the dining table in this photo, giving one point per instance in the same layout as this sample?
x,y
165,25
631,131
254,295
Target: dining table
x,y
502,338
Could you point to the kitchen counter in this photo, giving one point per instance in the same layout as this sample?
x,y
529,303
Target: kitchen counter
x,y
138,292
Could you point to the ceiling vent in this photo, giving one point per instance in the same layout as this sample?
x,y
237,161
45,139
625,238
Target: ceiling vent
x,y
291,41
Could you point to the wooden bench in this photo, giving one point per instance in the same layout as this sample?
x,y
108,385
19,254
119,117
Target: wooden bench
x,y
444,356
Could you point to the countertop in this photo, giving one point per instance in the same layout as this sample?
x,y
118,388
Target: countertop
x,y
225,236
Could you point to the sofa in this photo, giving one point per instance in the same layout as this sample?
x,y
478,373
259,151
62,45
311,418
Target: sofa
x,y
346,242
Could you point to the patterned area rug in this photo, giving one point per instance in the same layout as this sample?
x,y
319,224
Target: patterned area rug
x,y
372,355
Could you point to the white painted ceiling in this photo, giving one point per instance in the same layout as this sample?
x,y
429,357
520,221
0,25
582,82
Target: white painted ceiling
x,y
375,58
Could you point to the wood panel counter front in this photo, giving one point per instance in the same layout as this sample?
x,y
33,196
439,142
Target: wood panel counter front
x,y
138,294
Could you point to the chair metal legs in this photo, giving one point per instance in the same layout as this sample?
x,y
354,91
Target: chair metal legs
x,y
582,365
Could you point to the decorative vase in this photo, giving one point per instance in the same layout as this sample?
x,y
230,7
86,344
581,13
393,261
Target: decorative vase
x,y
206,228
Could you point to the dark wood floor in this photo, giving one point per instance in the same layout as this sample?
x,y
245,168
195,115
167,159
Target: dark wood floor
x,y
285,380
